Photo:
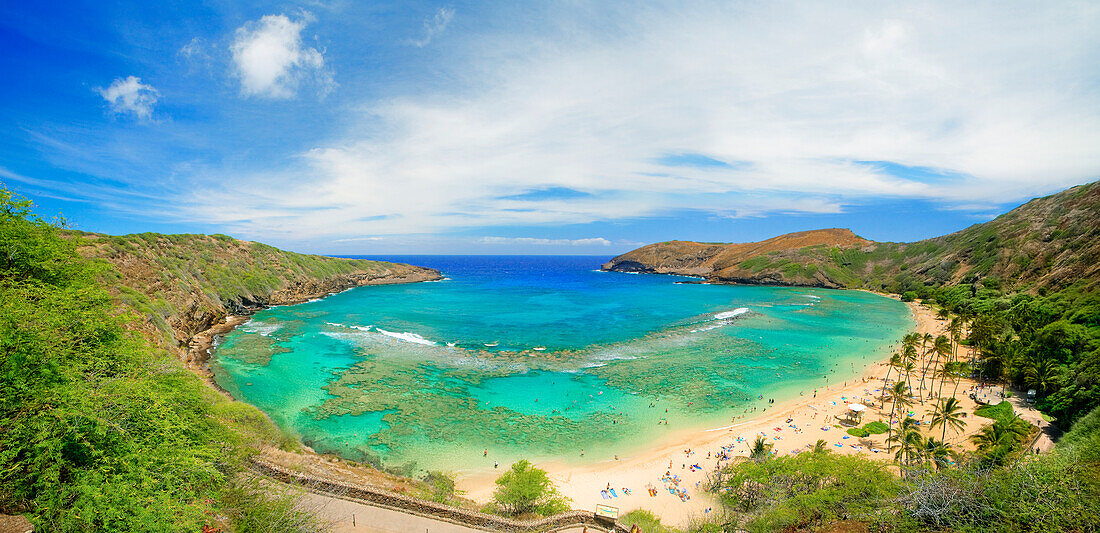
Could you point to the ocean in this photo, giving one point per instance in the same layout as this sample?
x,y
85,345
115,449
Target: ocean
x,y
541,357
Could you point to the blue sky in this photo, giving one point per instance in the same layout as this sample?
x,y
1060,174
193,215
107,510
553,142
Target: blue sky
x,y
558,127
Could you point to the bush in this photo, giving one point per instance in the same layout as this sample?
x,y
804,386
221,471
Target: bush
x,y
525,489
646,521
442,486
807,490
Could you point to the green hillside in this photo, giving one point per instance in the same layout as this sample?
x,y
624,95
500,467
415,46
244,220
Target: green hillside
x,y
181,285
98,431
1047,243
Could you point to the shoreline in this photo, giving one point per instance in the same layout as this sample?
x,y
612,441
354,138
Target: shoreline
x,y
643,470
200,347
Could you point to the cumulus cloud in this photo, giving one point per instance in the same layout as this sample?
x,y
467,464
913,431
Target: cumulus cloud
x,y
270,61
798,105
434,25
129,96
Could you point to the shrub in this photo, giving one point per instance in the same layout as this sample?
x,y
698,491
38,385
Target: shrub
x,y
525,489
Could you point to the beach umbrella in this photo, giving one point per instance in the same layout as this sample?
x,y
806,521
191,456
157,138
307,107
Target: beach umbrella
x,y
857,408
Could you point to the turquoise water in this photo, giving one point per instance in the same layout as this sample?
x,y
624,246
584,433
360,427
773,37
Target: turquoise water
x,y
433,375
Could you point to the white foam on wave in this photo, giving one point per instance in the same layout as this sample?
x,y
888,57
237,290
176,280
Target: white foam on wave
x,y
406,336
339,325
263,328
730,314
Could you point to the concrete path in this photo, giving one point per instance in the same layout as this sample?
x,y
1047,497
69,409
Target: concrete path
x,y
1047,432
346,516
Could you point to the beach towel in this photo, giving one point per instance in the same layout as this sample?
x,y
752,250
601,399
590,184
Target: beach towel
x,y
612,491
604,494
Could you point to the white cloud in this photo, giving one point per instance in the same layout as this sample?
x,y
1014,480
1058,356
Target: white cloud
x,y
129,96
793,96
193,48
434,25
271,62
595,241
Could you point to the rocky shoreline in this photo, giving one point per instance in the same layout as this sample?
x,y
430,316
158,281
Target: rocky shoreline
x,y
197,356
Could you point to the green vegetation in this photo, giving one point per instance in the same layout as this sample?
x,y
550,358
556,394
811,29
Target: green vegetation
x,y
525,489
646,521
806,490
97,430
180,285
1049,343
1000,412
441,487
877,427
874,428
1057,491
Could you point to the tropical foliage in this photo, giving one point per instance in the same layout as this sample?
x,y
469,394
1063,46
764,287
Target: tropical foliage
x,y
97,430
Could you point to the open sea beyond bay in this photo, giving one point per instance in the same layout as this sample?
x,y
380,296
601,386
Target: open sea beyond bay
x,y
540,357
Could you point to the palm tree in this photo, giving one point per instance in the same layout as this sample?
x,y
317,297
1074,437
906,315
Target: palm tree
x,y
820,446
908,440
1041,374
759,449
909,368
936,452
897,391
1000,432
948,413
895,361
941,346
925,340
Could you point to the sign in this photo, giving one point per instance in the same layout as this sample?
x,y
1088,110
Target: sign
x,y
607,511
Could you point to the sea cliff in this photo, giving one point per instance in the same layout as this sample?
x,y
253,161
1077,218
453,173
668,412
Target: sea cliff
x,y
186,289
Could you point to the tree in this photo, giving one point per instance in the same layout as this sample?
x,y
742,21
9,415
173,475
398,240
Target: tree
x,y
941,346
1041,373
895,361
909,368
1001,437
1000,441
908,440
525,489
936,452
759,449
948,413
898,392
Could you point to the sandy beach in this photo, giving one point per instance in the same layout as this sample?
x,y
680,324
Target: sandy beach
x,y
682,463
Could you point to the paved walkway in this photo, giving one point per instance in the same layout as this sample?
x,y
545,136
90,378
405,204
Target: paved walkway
x,y
346,516
1047,431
